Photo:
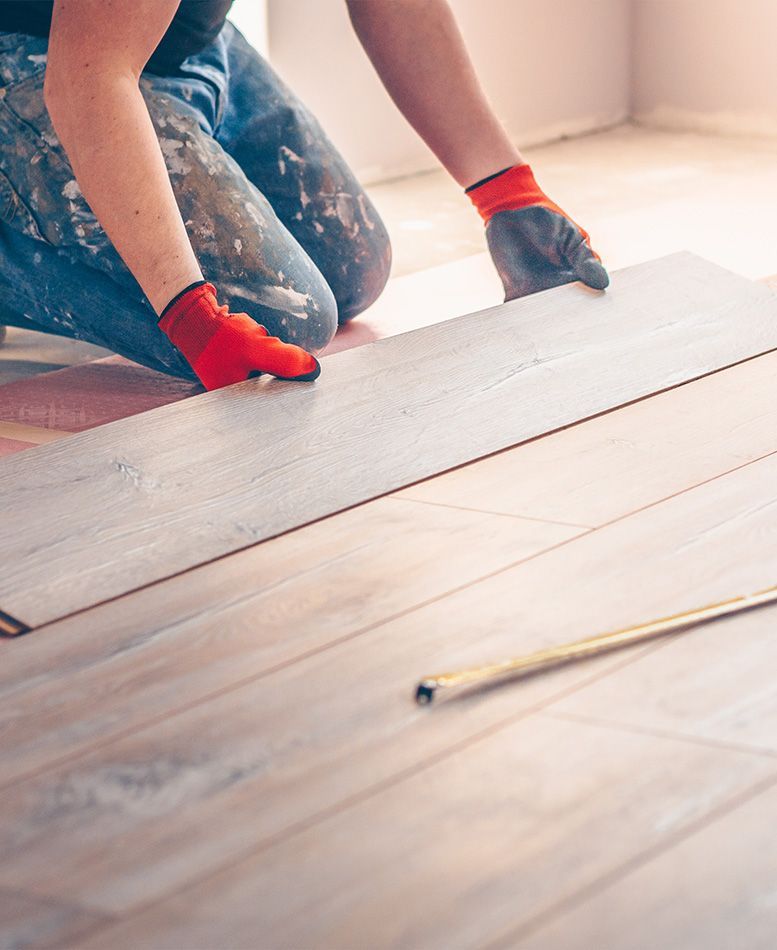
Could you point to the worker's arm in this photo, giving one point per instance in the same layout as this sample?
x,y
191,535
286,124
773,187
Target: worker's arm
x,y
418,52
97,51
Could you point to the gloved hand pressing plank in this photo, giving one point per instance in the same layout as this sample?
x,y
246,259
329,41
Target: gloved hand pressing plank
x,y
224,348
533,243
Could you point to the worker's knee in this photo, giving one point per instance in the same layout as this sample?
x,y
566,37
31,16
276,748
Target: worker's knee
x,y
323,205
364,273
242,247
295,303
269,277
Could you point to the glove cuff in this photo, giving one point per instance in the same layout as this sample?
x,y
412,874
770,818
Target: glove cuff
x,y
508,190
191,319
513,189
197,283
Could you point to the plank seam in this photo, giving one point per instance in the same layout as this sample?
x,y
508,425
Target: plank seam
x,y
510,936
408,772
10,627
485,511
333,644
248,680
658,733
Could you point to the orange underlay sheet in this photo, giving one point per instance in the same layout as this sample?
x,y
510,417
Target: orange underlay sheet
x,y
81,397
11,446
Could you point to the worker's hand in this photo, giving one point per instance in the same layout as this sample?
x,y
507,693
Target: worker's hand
x,y
224,348
533,243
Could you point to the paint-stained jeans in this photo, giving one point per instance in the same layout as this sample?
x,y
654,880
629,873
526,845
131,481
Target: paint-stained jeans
x,y
277,220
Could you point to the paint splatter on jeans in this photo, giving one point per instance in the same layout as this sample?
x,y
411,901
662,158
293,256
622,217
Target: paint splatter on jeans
x,y
276,218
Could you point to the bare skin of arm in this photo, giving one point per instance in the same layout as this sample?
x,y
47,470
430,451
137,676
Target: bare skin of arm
x,y
97,51
417,50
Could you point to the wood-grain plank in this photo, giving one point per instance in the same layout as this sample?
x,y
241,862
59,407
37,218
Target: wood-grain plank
x,y
714,889
621,461
462,850
590,450
128,662
111,510
602,468
158,809
726,689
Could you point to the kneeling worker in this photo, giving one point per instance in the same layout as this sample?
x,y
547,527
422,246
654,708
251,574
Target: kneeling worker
x,y
153,164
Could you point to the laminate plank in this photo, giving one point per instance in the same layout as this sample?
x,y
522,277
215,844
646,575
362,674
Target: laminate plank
x,y
167,490
608,466
723,684
164,806
464,849
29,922
106,671
714,889
75,643
603,468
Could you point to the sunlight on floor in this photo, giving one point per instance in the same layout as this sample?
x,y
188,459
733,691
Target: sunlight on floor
x,y
639,192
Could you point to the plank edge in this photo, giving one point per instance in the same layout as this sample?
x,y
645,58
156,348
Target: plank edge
x,y
10,627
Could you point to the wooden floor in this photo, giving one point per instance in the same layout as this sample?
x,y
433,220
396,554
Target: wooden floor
x,y
128,504
232,757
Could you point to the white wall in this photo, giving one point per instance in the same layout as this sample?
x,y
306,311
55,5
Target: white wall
x,y
250,17
706,64
551,68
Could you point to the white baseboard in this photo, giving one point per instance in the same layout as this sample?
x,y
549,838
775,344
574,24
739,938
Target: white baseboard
x,y
760,125
524,138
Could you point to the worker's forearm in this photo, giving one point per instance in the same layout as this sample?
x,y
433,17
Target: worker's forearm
x,y
418,52
110,141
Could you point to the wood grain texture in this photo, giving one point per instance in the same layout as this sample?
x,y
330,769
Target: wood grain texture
x,y
715,889
602,469
125,664
172,803
728,692
621,461
26,921
492,836
144,498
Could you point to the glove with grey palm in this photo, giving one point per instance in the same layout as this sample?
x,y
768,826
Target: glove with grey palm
x,y
534,244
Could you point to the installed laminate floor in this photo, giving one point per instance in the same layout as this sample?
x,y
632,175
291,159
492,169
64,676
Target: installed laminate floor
x,y
232,757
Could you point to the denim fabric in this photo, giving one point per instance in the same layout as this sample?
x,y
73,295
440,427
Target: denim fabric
x,y
277,220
